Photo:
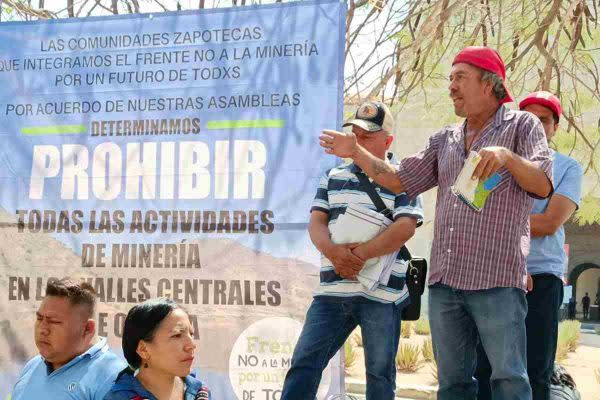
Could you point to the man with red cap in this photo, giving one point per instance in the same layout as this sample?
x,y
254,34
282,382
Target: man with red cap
x,y
547,259
478,275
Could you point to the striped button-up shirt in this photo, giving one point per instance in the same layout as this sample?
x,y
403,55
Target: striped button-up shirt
x,y
479,250
338,188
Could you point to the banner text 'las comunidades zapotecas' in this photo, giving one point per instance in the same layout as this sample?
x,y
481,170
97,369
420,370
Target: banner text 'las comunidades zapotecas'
x,y
170,155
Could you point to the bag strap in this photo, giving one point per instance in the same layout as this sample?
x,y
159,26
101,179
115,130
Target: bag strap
x,y
369,188
405,253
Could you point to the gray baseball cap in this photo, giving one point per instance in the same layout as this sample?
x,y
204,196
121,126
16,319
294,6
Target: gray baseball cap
x,y
373,116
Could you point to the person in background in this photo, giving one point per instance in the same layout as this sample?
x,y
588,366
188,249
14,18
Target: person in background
x,y
547,258
73,362
585,303
158,344
572,307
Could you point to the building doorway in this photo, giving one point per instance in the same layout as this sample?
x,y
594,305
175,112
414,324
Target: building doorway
x,y
585,278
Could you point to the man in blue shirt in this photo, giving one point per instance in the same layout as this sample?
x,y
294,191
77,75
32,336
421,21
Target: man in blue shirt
x,y
73,363
547,258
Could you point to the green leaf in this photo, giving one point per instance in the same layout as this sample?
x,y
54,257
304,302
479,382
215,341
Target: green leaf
x,y
589,211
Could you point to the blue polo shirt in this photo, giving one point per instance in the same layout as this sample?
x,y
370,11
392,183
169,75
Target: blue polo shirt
x,y
547,254
338,188
88,376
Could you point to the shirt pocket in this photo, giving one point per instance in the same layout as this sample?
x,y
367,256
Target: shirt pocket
x,y
504,184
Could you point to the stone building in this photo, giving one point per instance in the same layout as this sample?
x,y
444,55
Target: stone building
x,y
583,271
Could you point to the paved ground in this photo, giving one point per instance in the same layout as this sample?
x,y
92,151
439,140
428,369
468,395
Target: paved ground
x,y
580,364
589,324
590,339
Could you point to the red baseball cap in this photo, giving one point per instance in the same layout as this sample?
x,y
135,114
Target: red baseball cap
x,y
487,59
545,99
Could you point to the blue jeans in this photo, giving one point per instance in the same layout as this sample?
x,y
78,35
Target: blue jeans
x,y
328,324
496,316
543,303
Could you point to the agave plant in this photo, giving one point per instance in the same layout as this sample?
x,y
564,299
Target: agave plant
x,y
407,359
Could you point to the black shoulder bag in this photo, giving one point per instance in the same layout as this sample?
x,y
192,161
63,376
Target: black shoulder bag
x,y
416,271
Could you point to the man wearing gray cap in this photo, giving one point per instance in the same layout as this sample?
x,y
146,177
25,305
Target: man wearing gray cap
x,y
341,302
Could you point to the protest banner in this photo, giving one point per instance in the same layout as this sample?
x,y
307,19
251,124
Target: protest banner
x,y
170,154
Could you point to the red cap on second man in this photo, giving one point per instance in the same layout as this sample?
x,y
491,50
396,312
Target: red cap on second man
x,y
487,59
543,98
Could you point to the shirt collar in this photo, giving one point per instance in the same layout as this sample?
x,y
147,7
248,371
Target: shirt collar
x,y
502,114
100,347
192,385
128,382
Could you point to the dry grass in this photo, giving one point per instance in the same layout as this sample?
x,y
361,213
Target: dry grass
x,y
422,327
434,370
597,372
569,332
349,356
562,350
357,339
427,350
406,329
407,359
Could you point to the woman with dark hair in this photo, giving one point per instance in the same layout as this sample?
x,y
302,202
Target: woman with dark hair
x,y
159,348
